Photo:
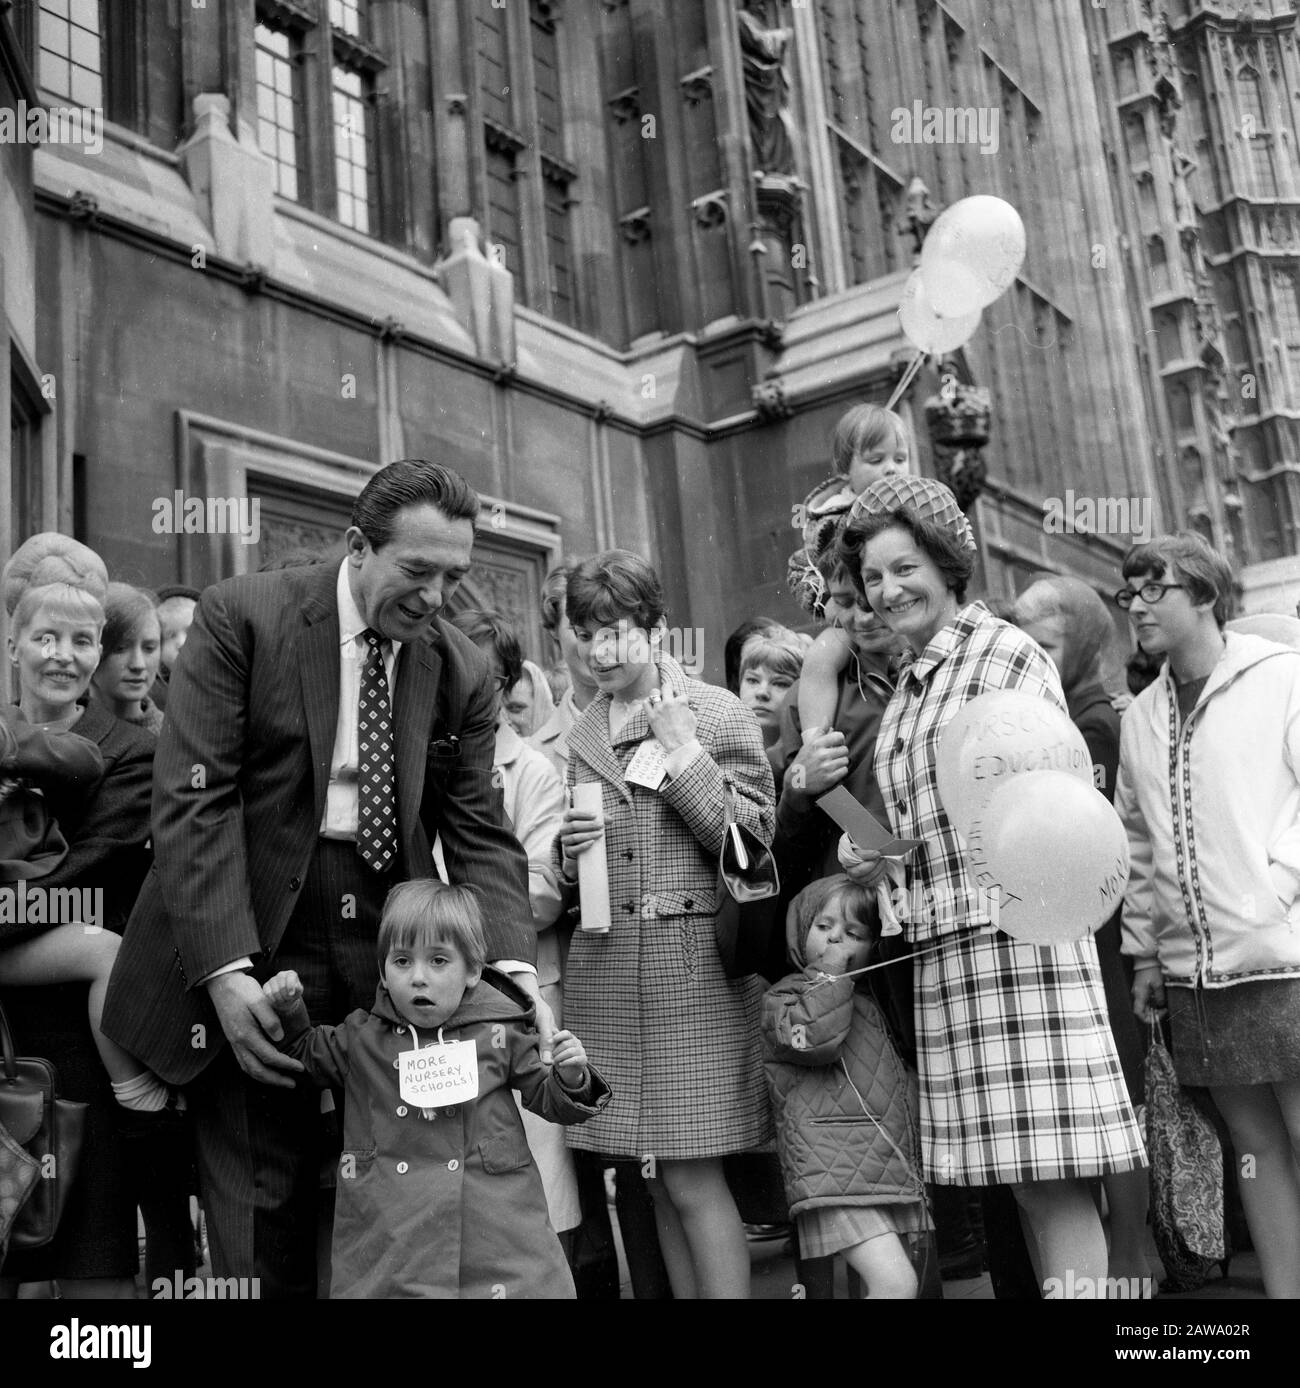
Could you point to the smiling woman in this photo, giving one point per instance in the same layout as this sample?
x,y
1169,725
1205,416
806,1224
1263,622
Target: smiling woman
x,y
54,590
978,992
678,1039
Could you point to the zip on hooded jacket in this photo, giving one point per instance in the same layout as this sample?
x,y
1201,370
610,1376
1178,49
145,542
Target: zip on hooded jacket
x,y
1212,811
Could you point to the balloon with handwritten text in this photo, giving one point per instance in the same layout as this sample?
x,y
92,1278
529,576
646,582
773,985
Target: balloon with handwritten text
x,y
1052,852
1000,735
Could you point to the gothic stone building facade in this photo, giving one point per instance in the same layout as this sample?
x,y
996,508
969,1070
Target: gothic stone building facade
x,y
621,262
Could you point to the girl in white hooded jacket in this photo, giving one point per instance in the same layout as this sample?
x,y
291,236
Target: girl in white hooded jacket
x,y
1209,791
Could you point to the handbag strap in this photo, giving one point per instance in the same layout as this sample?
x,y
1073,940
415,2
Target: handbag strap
x,y
728,804
7,1047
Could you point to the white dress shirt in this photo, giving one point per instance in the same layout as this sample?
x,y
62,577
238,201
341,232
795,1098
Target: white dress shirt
x,y
340,818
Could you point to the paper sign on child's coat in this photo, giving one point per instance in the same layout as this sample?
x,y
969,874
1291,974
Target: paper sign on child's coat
x,y
446,1073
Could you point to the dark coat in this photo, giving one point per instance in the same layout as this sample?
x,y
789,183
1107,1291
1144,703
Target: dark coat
x,y
105,819
1097,719
453,1205
107,828
239,791
37,762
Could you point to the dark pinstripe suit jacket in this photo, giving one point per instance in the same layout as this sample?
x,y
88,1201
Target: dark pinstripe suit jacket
x,y
240,777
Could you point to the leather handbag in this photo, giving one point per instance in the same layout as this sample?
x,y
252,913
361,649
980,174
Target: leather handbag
x,y
747,903
48,1128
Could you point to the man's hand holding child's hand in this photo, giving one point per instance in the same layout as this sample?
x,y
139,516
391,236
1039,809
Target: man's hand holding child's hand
x,y
570,1060
283,991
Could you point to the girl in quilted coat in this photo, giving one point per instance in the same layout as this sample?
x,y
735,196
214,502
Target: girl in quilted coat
x,y
845,1103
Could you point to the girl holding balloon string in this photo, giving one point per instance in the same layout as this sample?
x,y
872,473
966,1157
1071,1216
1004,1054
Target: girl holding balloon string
x,y
1003,1027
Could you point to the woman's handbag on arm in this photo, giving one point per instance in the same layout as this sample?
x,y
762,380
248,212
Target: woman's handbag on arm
x,y
48,1128
748,900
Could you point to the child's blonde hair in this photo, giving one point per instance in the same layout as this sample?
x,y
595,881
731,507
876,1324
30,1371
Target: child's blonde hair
x,y
863,428
427,911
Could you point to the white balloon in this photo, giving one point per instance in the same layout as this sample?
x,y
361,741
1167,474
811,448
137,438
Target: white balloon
x,y
923,327
1053,854
971,254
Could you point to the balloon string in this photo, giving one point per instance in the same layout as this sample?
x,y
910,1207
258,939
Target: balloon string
x,y
913,367
868,968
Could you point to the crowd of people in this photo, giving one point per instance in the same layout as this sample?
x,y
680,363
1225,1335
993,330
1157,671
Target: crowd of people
x,y
348,996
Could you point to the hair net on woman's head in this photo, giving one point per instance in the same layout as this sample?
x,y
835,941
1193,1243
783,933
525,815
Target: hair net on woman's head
x,y
50,558
1085,624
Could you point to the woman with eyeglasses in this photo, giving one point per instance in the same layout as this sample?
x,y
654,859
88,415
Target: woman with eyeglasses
x,y
1209,791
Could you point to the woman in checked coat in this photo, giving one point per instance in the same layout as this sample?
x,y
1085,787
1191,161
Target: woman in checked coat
x,y
677,1040
1020,1081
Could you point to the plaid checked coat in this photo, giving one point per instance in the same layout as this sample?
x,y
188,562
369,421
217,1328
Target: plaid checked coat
x,y
677,1040
1020,1080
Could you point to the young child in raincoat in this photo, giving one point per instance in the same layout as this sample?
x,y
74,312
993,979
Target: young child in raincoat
x,y
438,1194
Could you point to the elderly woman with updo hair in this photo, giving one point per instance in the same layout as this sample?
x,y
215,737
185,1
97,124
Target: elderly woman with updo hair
x,y
54,591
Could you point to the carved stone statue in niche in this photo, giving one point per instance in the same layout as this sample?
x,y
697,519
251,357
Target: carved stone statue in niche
x,y
958,419
763,46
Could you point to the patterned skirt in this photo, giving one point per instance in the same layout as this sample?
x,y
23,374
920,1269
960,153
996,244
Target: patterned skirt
x,y
828,1229
1019,1076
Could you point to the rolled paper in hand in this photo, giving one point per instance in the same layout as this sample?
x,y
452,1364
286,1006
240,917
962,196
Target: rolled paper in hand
x,y
593,874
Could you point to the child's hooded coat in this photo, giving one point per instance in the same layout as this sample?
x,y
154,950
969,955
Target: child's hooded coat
x,y
818,1034
453,1205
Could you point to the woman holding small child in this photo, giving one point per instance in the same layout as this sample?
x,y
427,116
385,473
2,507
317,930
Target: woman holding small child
x,y
55,977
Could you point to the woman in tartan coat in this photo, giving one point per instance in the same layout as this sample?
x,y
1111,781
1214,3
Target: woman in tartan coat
x,y
678,1041
1020,1082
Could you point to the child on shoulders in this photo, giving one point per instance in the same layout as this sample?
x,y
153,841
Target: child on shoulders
x,y
870,443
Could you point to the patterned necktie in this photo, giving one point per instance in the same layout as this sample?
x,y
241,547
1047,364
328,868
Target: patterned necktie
x,y
376,794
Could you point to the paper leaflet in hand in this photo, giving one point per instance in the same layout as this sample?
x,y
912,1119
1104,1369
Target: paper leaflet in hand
x,y
862,826
593,871
867,832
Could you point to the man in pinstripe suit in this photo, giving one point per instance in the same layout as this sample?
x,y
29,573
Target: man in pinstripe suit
x,y
259,835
